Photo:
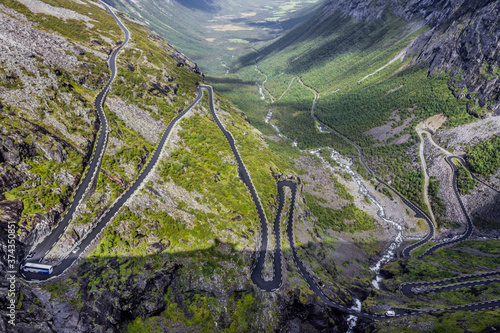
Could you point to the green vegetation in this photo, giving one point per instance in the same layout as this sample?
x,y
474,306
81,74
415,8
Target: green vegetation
x,y
468,295
245,95
202,313
238,40
212,43
484,158
465,182
202,166
421,250
332,45
405,179
44,189
205,229
133,151
62,292
387,192
259,162
487,246
371,246
73,29
339,57
10,80
348,219
445,263
420,95
437,203
341,189
455,322
156,80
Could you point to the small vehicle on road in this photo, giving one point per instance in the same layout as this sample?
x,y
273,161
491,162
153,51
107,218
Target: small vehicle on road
x,y
390,313
29,256
37,268
75,250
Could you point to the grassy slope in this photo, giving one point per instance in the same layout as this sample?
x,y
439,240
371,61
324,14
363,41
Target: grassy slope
x,y
233,217
232,220
201,164
333,57
190,25
194,165
42,195
445,263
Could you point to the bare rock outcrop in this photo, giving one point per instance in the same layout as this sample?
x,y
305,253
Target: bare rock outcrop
x,y
463,41
10,210
137,119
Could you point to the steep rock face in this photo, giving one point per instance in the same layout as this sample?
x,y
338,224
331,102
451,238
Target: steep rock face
x,y
10,178
48,81
463,41
467,47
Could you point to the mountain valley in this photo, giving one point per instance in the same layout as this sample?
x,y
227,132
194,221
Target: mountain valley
x,y
286,166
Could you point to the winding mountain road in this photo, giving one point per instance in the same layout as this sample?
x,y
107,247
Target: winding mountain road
x,y
469,226
277,280
256,275
113,210
419,213
461,160
449,157
92,172
41,249
406,288
413,288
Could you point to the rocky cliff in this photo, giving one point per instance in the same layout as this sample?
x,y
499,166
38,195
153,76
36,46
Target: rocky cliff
x,y
464,41
178,257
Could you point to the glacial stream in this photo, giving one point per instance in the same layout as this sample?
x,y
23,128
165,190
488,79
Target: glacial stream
x,y
352,320
276,128
390,252
268,121
381,213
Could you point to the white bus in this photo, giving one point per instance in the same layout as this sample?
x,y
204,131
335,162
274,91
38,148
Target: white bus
x,y
37,268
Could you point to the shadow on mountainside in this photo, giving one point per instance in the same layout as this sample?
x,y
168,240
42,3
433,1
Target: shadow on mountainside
x,y
188,291
208,6
335,35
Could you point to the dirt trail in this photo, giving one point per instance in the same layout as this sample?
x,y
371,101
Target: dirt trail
x,y
426,176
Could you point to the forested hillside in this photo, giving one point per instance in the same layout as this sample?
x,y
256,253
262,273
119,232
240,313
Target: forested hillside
x,y
378,71
178,255
367,107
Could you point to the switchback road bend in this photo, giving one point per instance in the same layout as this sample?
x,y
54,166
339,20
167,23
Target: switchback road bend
x,y
257,276
110,214
92,172
93,169
419,213
469,226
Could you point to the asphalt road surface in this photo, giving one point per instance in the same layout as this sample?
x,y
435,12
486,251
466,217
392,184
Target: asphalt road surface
x,y
109,215
256,275
469,226
93,168
408,288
